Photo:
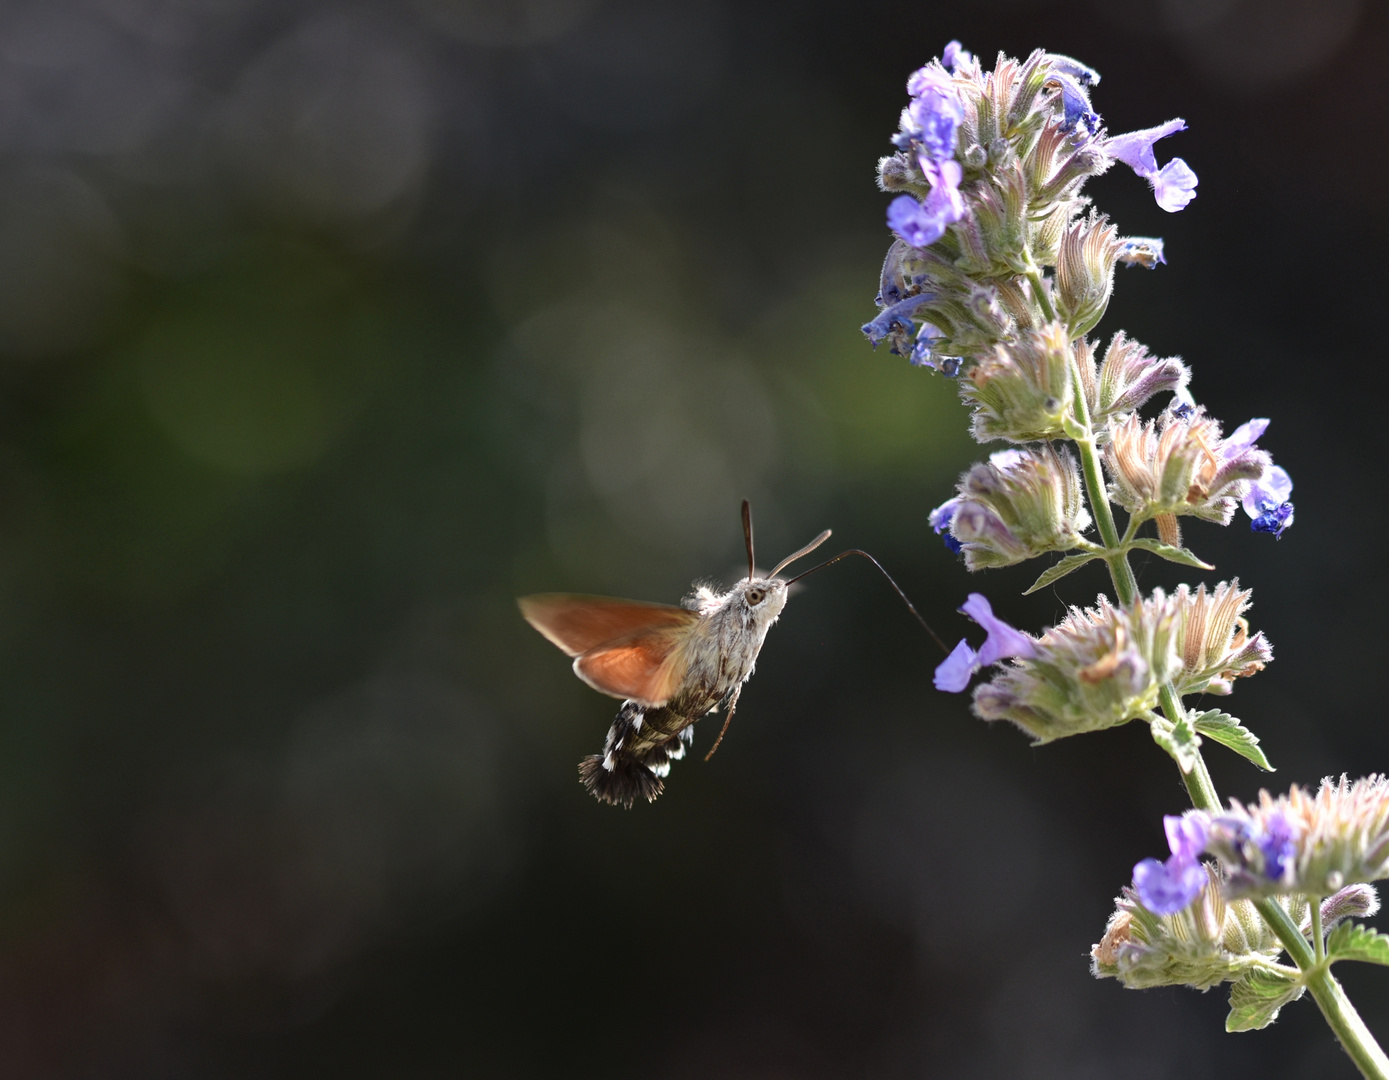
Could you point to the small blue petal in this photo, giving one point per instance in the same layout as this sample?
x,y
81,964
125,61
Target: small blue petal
x,y
1279,847
1186,834
1167,888
955,670
898,314
1003,640
1275,521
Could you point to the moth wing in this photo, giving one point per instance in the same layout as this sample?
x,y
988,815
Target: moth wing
x,y
579,624
647,666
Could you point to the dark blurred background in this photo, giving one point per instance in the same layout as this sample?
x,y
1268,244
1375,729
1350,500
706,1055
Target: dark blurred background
x,y
326,329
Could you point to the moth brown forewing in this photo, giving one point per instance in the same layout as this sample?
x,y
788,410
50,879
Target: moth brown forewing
x,y
670,665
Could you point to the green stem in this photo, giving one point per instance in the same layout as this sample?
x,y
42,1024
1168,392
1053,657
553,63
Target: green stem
x,y
1040,294
1355,1038
1125,584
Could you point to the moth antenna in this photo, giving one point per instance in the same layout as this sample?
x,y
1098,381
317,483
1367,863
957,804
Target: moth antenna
x,y
898,588
747,539
728,719
803,551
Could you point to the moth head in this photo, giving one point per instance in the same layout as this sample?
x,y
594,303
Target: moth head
x,y
762,597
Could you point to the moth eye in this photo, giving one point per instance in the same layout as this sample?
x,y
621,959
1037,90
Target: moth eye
x,y
756,596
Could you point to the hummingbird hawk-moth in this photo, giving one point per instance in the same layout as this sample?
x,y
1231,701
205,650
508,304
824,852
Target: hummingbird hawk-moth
x,y
671,665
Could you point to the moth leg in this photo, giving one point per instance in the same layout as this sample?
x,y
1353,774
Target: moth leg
x,y
728,719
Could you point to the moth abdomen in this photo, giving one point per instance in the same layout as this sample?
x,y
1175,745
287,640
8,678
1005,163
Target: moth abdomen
x,y
636,755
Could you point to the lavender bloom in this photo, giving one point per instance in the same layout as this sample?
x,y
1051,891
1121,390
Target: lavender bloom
x,y
941,519
1003,640
923,351
1243,438
918,224
1174,185
1267,502
1279,846
1077,116
894,316
1186,834
954,672
1165,888
954,54
930,121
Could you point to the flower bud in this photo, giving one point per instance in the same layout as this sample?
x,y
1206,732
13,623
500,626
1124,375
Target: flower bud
x,y
1352,902
1299,843
1085,273
1019,504
1129,376
1100,667
1021,390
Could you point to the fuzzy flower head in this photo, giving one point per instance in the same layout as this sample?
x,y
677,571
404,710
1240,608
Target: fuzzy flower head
x,y
1309,844
1003,641
1213,638
1098,668
987,172
1019,504
1207,941
1021,391
1179,464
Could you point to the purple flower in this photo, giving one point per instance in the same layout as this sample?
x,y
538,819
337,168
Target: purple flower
x,y
1186,834
1003,640
954,672
1077,116
953,55
1174,185
1266,501
930,121
941,519
895,316
1165,888
922,224
923,354
1267,504
1243,438
1279,846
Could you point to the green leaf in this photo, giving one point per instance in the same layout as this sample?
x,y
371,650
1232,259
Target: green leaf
x,y
1068,565
1227,731
1177,739
1170,553
1256,997
1351,941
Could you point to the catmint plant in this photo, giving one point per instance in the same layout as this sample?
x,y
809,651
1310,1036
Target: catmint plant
x,y
998,273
